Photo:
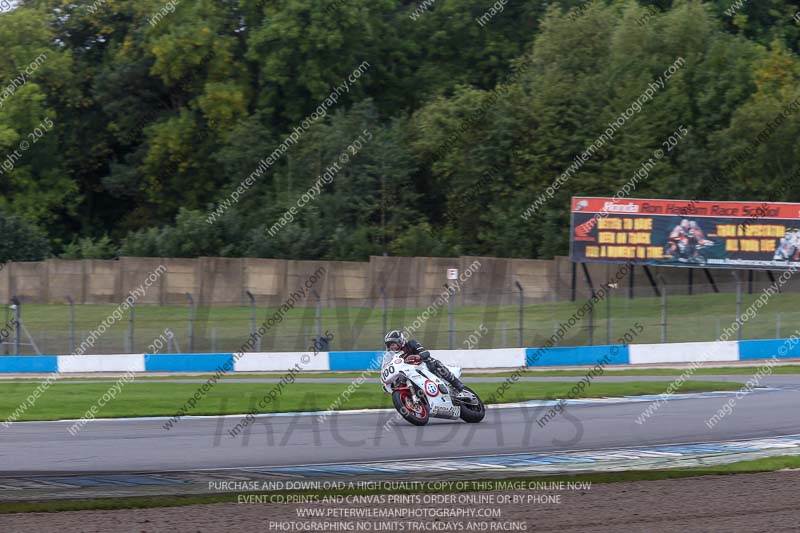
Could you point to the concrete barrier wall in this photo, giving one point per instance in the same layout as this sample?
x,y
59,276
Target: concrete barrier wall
x,y
407,281
685,352
510,358
578,355
767,349
500,358
102,363
280,361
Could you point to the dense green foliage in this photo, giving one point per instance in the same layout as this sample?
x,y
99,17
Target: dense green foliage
x,y
161,109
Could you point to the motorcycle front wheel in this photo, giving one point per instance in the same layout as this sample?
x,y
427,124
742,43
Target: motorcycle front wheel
x,y
414,413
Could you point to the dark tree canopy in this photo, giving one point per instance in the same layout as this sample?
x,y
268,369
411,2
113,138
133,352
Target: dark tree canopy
x,y
141,123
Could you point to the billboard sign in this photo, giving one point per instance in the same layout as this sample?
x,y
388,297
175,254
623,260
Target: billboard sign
x,y
685,233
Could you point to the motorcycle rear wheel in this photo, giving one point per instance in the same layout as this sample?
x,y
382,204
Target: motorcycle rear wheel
x,y
473,414
416,414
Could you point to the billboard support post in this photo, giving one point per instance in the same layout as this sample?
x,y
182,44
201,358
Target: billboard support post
x,y
588,279
690,281
574,281
608,314
772,280
630,281
591,321
652,280
711,280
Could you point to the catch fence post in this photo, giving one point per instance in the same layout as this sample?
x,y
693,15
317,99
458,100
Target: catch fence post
x,y
16,307
71,324
191,322
132,321
521,314
664,296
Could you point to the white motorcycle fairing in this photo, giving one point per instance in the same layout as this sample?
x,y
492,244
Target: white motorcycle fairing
x,y
423,383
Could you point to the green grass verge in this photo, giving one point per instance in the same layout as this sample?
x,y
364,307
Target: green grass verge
x,y
65,401
769,464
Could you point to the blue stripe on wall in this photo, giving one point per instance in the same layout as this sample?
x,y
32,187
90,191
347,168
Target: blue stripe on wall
x,y
353,360
28,363
765,349
577,355
178,362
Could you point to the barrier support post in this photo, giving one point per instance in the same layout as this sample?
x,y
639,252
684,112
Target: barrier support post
x,y
608,314
591,319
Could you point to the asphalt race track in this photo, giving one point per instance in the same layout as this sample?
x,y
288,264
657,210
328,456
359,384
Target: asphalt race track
x,y
143,445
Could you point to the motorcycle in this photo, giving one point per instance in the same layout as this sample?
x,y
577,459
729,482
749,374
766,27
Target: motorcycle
x,y
688,252
787,248
419,395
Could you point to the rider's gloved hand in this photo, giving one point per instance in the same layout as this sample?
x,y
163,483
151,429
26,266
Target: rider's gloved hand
x,y
413,359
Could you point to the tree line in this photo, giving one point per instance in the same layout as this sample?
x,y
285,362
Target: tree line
x,y
164,115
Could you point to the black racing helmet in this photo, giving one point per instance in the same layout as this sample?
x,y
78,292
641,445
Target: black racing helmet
x,y
394,336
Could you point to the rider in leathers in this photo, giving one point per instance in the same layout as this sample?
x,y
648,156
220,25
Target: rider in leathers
x,y
413,351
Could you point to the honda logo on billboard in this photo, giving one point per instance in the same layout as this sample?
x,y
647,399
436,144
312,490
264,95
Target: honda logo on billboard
x,y
613,207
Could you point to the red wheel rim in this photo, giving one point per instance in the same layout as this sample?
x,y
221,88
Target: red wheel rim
x,y
417,409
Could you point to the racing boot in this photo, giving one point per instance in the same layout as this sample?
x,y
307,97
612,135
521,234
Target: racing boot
x,y
436,366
